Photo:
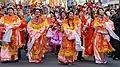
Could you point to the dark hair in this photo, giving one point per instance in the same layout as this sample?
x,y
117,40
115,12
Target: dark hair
x,y
99,10
69,13
89,8
15,9
68,17
52,12
41,11
72,2
10,8
62,13
98,3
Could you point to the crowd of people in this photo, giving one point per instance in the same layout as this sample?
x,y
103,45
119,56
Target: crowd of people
x,y
71,34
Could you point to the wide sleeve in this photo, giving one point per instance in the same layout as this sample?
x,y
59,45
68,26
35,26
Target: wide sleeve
x,y
17,23
111,24
96,23
14,25
30,30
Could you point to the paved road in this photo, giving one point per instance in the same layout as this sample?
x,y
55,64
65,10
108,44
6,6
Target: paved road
x,y
51,61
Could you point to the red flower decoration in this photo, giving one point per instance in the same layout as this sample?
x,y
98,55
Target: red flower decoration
x,y
89,4
81,7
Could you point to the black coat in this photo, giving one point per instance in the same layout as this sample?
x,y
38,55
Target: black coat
x,y
116,19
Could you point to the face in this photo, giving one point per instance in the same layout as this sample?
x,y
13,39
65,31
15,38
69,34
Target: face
x,y
71,15
21,14
84,9
80,14
52,15
37,13
28,12
63,15
10,12
101,12
0,5
46,10
89,10
108,13
62,10
57,14
113,12
15,11
53,19
18,7
78,7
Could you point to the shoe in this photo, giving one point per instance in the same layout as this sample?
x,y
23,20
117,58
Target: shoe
x,y
56,53
118,58
115,58
111,56
16,61
5,61
97,62
70,64
105,62
78,60
62,63
82,58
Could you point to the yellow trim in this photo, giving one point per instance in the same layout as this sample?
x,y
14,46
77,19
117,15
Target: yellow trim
x,y
38,26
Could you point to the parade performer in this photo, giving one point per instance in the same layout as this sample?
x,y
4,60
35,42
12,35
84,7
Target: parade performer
x,y
37,37
103,27
70,39
11,37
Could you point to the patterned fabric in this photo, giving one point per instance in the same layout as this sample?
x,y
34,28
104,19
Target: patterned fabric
x,y
38,31
9,51
67,52
101,43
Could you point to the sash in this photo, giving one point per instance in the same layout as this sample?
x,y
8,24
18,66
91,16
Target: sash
x,y
78,46
86,25
7,36
49,33
32,39
112,34
30,44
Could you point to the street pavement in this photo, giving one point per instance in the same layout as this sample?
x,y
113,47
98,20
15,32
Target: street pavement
x,y
51,61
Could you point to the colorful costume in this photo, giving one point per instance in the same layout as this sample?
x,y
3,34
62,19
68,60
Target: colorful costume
x,y
101,39
37,39
68,52
11,38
